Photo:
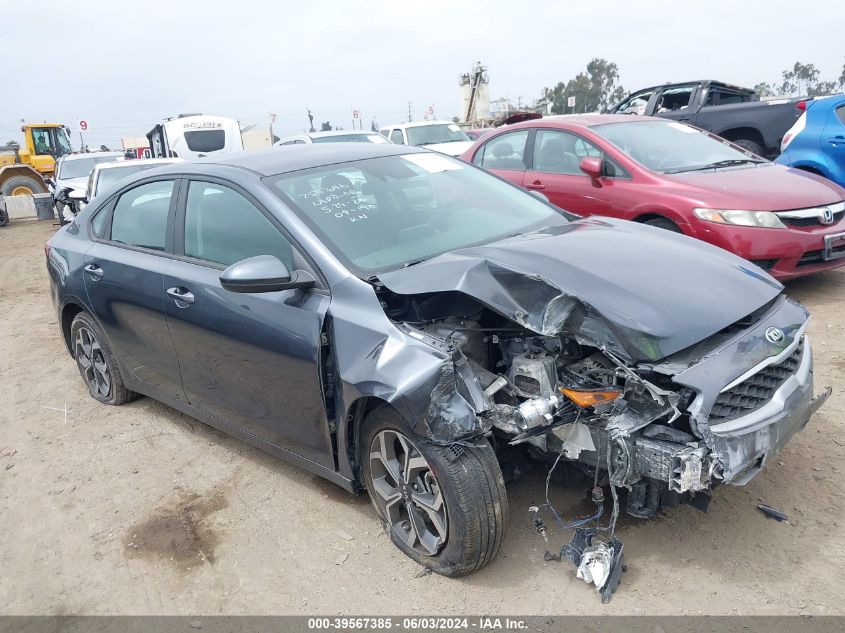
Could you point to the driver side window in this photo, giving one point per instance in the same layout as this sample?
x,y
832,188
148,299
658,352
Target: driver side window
x,y
396,137
223,227
557,152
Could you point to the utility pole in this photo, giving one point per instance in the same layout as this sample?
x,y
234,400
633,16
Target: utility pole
x,y
272,121
409,113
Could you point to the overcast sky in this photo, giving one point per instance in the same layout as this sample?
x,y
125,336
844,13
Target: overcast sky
x,y
125,65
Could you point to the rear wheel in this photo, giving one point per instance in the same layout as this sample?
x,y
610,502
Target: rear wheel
x,y
443,506
21,186
96,364
752,146
663,223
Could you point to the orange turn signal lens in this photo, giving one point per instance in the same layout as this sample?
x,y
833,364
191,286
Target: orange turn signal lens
x,y
590,398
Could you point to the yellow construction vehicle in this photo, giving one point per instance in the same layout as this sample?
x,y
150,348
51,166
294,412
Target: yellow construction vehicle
x,y
25,170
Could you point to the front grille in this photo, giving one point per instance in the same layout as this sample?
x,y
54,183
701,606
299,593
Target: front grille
x,y
813,221
756,390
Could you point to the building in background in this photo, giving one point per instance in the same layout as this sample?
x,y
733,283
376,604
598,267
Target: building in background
x,y
475,95
500,108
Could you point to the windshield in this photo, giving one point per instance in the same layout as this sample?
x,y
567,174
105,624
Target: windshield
x,y
435,133
109,177
670,147
81,167
349,138
383,213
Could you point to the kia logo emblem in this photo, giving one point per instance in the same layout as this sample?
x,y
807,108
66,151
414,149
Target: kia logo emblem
x,y
774,335
827,216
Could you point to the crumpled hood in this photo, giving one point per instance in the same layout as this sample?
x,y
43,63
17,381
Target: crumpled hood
x,y
72,183
455,148
643,292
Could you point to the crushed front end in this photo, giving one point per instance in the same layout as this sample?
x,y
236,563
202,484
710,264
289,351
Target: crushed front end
x,y
664,431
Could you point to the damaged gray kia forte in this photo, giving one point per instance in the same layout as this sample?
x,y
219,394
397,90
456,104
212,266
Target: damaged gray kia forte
x,y
394,319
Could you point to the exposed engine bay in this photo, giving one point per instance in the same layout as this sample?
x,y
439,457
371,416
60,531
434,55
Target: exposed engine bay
x,y
639,429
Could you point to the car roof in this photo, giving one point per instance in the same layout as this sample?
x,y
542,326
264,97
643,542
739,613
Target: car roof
x,y
580,120
280,160
338,133
137,161
417,124
90,155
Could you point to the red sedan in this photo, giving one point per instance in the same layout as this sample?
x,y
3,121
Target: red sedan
x,y
676,177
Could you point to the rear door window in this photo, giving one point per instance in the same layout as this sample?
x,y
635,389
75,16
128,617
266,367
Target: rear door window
x,y
140,215
506,151
840,113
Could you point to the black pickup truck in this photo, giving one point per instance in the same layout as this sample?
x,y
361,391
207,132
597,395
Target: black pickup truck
x,y
732,112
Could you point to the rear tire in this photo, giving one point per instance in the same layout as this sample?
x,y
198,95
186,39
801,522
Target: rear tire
x,y
22,186
462,479
664,223
97,365
752,146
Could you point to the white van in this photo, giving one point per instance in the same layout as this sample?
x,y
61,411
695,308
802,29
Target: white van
x,y
194,136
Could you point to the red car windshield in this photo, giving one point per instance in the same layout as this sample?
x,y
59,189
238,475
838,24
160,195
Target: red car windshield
x,y
670,147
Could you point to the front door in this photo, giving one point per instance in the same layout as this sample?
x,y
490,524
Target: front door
x,y
833,139
124,280
555,171
250,360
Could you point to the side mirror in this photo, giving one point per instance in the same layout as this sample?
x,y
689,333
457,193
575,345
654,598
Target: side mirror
x,y
78,194
591,166
263,273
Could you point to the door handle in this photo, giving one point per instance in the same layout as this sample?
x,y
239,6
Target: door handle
x,y
95,271
837,140
535,186
182,296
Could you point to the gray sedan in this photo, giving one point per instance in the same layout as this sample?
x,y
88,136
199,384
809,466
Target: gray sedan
x,y
396,320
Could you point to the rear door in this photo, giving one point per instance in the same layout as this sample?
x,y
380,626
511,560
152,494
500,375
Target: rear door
x,y
505,155
250,360
124,280
555,171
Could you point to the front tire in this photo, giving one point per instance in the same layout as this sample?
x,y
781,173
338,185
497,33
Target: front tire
x,y
22,186
664,223
96,363
443,506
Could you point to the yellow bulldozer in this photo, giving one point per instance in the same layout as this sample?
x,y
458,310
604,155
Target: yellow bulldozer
x,y
25,169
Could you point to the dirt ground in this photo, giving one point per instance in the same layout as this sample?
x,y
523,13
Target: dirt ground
x,y
141,510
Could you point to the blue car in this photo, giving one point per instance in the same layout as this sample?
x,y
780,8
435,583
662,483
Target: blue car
x,y
816,143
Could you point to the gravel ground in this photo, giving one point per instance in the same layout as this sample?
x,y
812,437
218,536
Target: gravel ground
x,y
142,510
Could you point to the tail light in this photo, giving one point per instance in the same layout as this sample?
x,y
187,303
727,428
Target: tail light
x,y
47,246
794,131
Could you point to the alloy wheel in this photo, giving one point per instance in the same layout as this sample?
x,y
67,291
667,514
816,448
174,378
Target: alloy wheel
x,y
409,492
92,362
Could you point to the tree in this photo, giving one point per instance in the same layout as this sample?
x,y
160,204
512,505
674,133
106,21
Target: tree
x,y
764,89
842,77
594,90
326,127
